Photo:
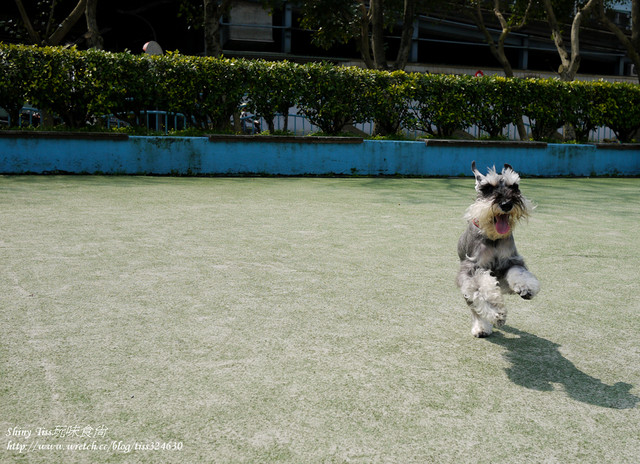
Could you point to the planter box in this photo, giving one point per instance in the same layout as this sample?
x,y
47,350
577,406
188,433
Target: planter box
x,y
87,153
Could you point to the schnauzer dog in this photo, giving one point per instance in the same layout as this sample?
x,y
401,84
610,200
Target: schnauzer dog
x,y
489,262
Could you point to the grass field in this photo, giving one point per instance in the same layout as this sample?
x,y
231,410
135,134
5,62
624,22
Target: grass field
x,y
309,321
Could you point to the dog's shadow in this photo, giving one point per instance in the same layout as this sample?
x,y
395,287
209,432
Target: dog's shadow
x,y
537,364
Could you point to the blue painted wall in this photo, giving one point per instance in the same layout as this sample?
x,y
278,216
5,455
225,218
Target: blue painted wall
x,y
44,153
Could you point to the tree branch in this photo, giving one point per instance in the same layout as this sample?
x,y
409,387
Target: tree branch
x,y
51,19
556,34
524,18
496,49
66,25
633,50
575,37
33,34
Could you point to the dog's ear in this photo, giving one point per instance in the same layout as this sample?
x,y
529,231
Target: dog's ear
x,y
506,166
475,171
477,175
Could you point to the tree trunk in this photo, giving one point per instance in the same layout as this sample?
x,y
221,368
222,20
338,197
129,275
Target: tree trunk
x,y
496,49
94,39
408,19
213,11
377,37
365,49
212,46
565,59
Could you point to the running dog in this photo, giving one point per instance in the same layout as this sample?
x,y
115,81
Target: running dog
x,y
489,261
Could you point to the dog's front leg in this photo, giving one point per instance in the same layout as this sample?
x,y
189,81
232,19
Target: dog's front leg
x,y
482,293
522,282
480,328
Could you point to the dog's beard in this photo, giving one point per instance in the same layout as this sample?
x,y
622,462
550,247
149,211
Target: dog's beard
x,y
492,221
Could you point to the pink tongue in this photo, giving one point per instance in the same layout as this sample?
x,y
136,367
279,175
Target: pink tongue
x,y
502,224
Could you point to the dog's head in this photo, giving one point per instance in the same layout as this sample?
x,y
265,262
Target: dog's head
x,y
500,204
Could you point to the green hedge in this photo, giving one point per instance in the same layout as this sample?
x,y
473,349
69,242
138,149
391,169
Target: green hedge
x,y
81,86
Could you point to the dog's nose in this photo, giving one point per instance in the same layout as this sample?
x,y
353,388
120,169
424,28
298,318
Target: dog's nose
x,y
506,206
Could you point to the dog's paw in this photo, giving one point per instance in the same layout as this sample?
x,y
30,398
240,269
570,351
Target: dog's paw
x,y
522,282
481,333
481,328
527,291
527,295
501,319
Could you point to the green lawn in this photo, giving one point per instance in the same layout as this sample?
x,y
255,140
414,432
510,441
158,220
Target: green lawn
x,y
308,321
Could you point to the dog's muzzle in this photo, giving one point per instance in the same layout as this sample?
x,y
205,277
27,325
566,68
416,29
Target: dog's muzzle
x,y
506,206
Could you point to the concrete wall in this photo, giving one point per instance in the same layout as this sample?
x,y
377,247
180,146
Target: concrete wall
x,y
38,152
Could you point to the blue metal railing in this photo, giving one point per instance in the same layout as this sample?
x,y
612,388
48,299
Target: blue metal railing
x,y
31,115
160,121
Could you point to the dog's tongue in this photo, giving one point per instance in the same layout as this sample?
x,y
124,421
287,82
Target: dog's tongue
x,y
502,224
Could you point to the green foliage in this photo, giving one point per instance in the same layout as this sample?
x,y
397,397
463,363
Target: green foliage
x,y
207,90
72,84
76,86
273,87
442,103
223,88
496,102
390,96
333,21
620,106
14,79
80,87
546,104
339,21
137,80
331,96
587,107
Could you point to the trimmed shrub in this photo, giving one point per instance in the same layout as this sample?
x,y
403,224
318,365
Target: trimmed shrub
x,y
587,107
620,106
332,97
546,104
391,105
14,79
56,84
442,103
224,87
77,86
208,90
273,88
81,86
497,102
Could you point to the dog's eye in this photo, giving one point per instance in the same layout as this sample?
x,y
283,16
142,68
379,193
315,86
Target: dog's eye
x,y
487,189
515,188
